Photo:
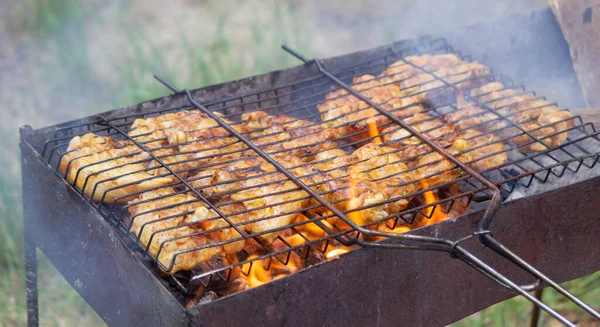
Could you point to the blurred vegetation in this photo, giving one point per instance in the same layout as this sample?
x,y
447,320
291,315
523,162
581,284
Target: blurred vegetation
x,y
517,311
60,32
63,79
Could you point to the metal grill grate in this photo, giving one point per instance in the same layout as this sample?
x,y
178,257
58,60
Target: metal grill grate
x,y
161,159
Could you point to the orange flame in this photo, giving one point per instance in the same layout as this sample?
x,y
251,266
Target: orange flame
x,y
257,275
336,252
295,240
401,229
434,212
317,231
373,132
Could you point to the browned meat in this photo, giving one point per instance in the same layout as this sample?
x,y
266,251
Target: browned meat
x,y
111,170
540,117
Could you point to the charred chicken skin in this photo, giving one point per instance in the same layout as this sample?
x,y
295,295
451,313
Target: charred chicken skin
x,y
206,145
196,139
480,152
118,170
185,141
400,89
418,76
418,72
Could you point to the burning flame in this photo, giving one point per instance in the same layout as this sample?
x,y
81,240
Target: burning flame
x,y
255,272
258,275
355,216
373,132
317,231
336,252
401,229
434,212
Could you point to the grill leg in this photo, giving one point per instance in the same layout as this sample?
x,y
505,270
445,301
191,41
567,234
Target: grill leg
x,y
535,314
31,281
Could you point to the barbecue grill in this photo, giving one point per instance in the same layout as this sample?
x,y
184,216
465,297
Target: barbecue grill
x,y
93,246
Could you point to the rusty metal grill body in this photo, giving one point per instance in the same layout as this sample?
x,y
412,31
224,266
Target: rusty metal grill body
x,y
298,97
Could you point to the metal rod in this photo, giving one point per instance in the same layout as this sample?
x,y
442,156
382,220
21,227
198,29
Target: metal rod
x,y
535,311
515,287
495,245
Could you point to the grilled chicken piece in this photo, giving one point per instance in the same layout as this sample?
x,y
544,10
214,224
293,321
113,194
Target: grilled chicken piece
x,y
415,75
258,197
153,132
410,146
198,147
353,117
431,127
540,117
109,170
286,135
480,152
370,175
401,89
469,146
164,221
203,145
187,139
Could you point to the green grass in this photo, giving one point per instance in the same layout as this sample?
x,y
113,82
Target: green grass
x,y
209,59
66,83
517,311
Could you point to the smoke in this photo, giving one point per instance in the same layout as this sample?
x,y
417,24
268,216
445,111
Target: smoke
x,y
355,25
